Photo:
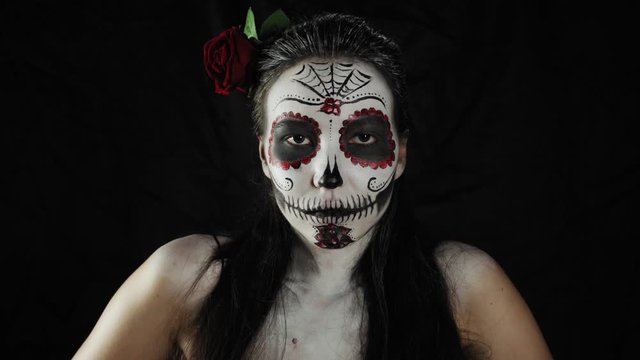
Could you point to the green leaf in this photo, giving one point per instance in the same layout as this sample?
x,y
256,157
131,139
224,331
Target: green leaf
x,y
275,23
250,25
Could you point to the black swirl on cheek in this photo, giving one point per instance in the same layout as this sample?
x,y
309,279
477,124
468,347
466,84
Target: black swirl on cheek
x,y
375,185
286,186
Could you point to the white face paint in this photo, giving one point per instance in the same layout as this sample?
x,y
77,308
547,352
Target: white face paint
x,y
330,147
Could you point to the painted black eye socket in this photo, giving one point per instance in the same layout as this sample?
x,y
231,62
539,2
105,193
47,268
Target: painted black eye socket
x,y
294,140
366,138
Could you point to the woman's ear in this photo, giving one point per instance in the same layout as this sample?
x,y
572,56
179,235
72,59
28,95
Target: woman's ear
x,y
263,157
402,154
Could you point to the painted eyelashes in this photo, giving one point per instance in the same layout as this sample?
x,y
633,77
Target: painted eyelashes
x,y
367,139
294,140
330,211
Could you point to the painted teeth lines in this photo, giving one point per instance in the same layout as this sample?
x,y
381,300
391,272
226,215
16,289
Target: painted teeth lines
x,y
358,206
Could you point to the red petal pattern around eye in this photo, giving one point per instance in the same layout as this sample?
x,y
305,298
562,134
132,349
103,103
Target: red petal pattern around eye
x,y
286,165
382,164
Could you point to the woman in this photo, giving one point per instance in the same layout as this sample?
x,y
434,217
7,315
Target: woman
x,y
333,267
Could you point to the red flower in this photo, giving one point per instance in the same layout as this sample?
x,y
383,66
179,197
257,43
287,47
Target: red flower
x,y
333,236
229,60
331,106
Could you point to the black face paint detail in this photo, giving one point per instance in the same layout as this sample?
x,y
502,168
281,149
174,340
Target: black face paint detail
x,y
327,79
338,83
351,208
373,126
284,187
320,102
375,185
374,97
331,178
286,135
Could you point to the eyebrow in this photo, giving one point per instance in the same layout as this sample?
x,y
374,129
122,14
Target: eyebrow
x,y
288,121
308,102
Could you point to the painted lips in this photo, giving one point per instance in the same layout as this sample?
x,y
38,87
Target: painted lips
x,y
332,212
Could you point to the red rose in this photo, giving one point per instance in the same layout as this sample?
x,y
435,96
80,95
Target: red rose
x,y
229,60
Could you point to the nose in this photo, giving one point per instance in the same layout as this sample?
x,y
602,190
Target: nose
x,y
331,178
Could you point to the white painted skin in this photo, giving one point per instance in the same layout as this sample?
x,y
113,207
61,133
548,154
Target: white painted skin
x,y
305,187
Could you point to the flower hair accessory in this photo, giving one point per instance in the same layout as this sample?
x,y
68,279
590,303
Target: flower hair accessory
x,y
230,57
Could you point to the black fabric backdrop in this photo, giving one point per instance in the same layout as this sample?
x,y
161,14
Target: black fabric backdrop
x,y
115,144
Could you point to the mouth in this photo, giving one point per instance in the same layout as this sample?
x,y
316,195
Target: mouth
x,y
331,211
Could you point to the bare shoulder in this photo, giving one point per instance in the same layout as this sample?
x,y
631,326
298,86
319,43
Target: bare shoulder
x,y
149,310
488,309
462,264
182,262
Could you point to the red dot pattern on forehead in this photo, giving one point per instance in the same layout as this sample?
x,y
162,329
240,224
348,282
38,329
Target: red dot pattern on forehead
x,y
286,165
381,164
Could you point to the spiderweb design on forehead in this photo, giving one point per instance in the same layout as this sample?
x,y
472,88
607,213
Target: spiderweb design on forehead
x,y
331,79
333,84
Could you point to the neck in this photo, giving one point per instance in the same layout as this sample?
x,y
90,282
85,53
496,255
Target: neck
x,y
325,270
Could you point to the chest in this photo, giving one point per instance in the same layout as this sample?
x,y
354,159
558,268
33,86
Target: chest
x,y
312,328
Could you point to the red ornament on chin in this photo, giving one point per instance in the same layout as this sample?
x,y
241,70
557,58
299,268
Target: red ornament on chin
x,y
333,236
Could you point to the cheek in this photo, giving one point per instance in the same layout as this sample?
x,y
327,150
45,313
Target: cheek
x,y
365,180
290,181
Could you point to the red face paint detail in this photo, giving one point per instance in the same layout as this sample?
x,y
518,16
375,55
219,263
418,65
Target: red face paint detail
x,y
286,165
331,106
332,236
382,164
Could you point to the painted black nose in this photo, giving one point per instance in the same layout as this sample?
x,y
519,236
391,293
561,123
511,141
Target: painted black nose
x,y
331,179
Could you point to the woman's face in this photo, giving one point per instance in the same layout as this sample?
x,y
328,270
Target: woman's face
x,y
331,149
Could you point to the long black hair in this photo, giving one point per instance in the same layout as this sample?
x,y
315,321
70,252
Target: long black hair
x,y
405,296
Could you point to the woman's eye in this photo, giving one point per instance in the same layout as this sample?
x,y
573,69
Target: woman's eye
x,y
298,140
363,139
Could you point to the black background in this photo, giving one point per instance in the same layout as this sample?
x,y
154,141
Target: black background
x,y
114,144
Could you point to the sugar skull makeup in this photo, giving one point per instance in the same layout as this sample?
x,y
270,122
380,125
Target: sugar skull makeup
x,y
330,149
